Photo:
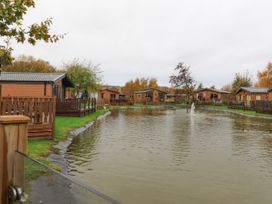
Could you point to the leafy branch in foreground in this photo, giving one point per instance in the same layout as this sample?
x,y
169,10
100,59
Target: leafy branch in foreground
x,y
12,14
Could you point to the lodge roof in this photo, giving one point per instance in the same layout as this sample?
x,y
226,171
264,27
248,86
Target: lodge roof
x,y
212,90
34,77
176,94
110,90
148,90
254,89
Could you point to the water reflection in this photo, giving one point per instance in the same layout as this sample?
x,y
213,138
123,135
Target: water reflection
x,y
170,156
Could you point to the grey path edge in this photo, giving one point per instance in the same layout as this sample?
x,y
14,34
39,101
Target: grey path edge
x,y
62,146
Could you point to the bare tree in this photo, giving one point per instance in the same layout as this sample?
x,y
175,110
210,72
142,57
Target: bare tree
x,y
183,79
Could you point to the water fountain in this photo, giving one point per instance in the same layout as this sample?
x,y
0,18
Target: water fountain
x,y
193,108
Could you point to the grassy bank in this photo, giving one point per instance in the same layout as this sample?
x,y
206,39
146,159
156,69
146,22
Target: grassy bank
x,y
139,105
136,105
40,149
245,112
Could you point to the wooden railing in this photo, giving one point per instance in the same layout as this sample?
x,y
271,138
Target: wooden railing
x,y
75,107
41,112
248,105
263,107
120,102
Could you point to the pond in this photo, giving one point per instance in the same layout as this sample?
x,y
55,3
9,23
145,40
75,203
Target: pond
x,y
170,156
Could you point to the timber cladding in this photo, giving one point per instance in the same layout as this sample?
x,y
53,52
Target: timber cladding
x,y
154,96
26,89
248,96
41,112
106,96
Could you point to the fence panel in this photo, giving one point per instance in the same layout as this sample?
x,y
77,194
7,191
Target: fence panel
x,y
264,107
41,112
76,107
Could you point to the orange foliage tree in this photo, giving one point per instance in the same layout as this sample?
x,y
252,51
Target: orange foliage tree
x,y
29,64
139,84
265,77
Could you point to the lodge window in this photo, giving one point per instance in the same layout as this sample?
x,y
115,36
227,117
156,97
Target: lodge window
x,y
112,96
258,98
102,95
248,98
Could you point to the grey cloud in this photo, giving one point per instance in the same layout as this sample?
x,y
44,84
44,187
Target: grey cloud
x,y
131,38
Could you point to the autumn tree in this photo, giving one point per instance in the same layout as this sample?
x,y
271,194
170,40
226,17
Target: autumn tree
x,y
139,84
143,83
265,77
11,27
200,86
153,83
212,87
84,75
29,64
182,79
241,80
227,87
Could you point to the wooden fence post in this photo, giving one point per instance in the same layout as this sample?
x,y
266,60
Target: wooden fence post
x,y
13,137
54,117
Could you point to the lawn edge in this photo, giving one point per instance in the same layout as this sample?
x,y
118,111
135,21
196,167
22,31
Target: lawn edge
x,y
235,111
51,146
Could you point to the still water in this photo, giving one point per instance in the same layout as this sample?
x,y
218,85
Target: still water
x,y
174,157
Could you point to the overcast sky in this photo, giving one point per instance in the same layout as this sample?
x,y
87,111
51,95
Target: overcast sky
x,y
147,38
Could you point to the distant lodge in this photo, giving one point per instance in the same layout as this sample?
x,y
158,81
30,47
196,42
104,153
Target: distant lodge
x,y
246,95
250,95
213,95
154,96
109,96
112,97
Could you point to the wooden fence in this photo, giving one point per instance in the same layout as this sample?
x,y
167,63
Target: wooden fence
x,y
75,107
121,102
249,105
258,106
41,112
263,107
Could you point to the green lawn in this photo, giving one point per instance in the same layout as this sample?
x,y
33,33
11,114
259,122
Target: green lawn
x,y
246,112
40,149
139,105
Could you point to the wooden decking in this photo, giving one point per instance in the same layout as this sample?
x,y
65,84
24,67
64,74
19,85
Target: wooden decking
x,y
41,112
75,107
